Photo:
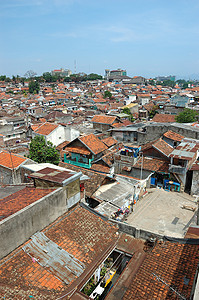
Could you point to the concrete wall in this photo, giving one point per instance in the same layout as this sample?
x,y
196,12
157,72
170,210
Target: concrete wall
x,y
101,127
71,133
195,183
18,228
57,136
155,132
135,232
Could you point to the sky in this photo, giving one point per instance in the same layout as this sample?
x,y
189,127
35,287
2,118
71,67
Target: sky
x,y
145,37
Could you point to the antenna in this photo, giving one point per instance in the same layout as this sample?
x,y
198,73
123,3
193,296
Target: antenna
x,y
75,67
169,286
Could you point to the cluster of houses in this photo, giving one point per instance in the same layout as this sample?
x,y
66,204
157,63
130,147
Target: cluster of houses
x,y
63,229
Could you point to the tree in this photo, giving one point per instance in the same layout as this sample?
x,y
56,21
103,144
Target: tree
x,y
186,116
153,111
107,94
34,87
127,111
30,74
42,151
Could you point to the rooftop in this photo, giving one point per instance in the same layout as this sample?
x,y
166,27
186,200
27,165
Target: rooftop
x,y
109,141
173,136
162,212
54,175
163,147
93,143
186,149
10,160
37,268
167,266
164,118
20,199
46,128
103,119
152,164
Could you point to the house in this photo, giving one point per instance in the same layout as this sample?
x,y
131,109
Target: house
x,y
157,149
104,122
84,151
172,138
27,208
53,133
183,158
11,167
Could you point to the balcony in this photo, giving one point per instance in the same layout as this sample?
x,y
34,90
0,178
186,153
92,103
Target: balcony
x,y
177,169
77,163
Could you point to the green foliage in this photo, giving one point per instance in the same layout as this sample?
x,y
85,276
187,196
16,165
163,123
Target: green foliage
x,y
43,152
34,87
107,94
93,76
168,83
186,116
153,111
2,77
127,111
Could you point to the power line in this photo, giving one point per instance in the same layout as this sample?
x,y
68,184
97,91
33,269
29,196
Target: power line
x,y
160,279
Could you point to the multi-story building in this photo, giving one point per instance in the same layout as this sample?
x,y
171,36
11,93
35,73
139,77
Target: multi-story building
x,y
62,72
114,73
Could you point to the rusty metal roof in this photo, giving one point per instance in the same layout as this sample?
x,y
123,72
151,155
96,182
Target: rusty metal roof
x,y
53,258
53,175
186,149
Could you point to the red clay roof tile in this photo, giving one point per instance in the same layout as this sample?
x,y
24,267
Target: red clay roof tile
x,y
46,128
20,199
10,160
164,118
168,265
93,143
103,119
173,136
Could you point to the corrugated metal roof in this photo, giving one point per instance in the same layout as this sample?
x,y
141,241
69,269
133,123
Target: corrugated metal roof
x,y
53,258
52,175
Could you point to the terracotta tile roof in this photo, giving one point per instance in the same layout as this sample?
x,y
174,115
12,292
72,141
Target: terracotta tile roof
x,y
173,136
103,119
94,144
172,263
101,168
89,239
152,164
80,150
46,128
34,127
164,118
10,160
20,199
109,141
148,145
163,147
62,145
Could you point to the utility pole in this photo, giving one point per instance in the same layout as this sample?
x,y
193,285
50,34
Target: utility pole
x,y
141,166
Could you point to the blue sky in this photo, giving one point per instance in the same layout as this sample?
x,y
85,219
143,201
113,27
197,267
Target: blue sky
x,y
145,37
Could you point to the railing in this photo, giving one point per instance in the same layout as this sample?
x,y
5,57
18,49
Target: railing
x,y
76,163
